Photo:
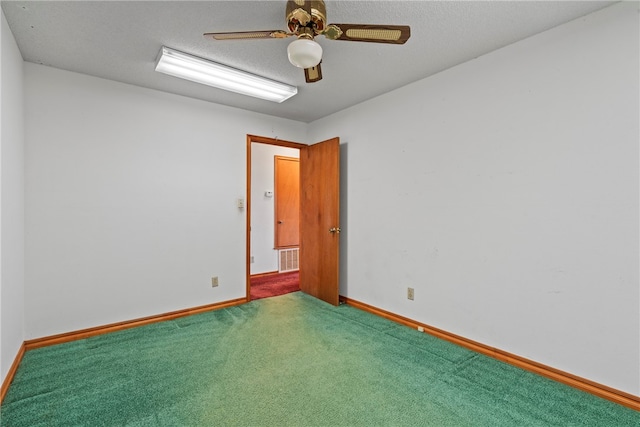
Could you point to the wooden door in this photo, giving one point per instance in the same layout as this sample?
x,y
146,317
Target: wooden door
x,y
287,202
320,220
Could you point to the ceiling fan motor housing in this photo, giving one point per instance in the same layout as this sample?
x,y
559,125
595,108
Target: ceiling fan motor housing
x,y
306,17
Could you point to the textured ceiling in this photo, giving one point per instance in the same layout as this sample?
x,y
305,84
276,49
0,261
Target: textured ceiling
x,y
119,40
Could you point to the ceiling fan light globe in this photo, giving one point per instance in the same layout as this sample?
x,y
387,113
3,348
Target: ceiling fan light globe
x,y
304,53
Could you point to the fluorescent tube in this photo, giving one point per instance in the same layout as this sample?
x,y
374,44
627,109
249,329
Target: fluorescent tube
x,y
199,70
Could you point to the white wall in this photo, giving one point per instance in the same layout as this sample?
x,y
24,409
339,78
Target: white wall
x,y
11,200
506,192
131,200
262,208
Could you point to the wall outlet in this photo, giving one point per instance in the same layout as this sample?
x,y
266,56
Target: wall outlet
x,y
214,281
410,293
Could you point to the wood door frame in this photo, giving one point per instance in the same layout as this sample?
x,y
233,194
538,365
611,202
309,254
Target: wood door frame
x,y
268,141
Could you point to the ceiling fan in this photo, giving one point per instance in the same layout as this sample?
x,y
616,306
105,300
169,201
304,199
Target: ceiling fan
x,y
306,19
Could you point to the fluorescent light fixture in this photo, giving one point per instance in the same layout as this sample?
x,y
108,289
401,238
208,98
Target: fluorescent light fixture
x,y
199,70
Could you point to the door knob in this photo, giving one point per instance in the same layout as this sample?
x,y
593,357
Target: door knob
x,y
334,230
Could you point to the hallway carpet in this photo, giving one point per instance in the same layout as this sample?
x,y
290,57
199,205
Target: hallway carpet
x,y
274,284
287,361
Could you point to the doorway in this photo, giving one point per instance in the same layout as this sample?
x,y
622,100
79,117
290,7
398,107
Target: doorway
x,y
319,215
274,229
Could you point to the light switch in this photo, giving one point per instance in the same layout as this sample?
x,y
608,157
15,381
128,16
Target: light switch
x,y
240,203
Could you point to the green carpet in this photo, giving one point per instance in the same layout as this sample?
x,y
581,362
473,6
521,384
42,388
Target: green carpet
x,y
287,361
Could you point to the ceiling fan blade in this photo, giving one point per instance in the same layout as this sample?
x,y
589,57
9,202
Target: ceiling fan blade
x,y
244,35
313,74
394,34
